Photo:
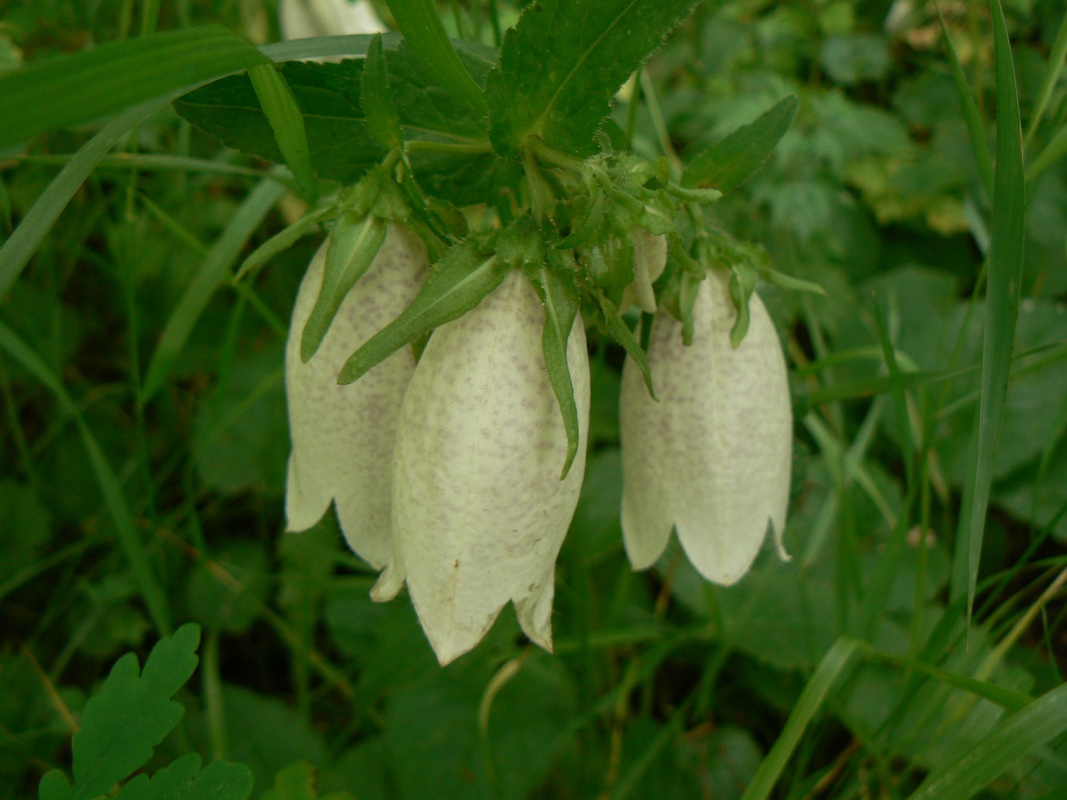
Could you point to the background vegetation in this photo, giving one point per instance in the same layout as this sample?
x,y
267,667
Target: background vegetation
x,y
849,671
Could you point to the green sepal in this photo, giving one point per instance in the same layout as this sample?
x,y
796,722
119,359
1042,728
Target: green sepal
x,y
382,119
784,281
591,223
737,157
465,275
618,331
522,243
282,241
354,243
610,262
688,286
560,299
677,252
742,284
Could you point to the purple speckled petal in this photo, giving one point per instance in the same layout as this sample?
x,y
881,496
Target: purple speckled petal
x,y
480,511
713,456
343,436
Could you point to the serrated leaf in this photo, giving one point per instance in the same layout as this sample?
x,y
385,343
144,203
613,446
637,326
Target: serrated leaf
x,y
738,156
560,299
77,88
127,717
455,285
625,337
287,123
422,28
562,63
340,144
183,780
353,245
382,120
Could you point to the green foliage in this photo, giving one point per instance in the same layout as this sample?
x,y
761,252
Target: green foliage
x,y
144,434
127,718
562,62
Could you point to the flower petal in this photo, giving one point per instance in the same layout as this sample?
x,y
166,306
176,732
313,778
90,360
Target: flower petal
x,y
714,455
343,436
480,511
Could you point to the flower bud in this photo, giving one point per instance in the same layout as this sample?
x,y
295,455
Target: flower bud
x,y
480,511
712,458
343,436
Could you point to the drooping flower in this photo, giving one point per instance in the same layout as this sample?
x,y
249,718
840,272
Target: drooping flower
x,y
343,436
301,19
480,511
711,458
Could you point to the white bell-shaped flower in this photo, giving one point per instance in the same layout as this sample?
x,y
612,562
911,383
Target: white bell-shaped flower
x,y
302,19
712,458
480,511
343,436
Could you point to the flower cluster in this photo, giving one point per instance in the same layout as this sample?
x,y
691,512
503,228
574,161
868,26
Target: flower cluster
x,y
445,472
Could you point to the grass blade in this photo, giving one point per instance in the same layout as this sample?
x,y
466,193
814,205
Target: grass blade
x,y
1056,60
1011,740
971,115
1002,310
287,122
220,259
77,88
110,488
24,242
837,659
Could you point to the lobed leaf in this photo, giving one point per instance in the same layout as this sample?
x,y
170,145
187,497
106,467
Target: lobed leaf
x,y
563,62
184,780
127,718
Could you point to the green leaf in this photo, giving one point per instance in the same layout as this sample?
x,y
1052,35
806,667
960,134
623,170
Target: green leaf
x,y
220,259
448,150
1014,738
183,780
298,781
971,115
455,285
422,28
382,120
562,63
837,659
127,718
1002,311
737,157
560,299
354,243
625,337
78,88
286,122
